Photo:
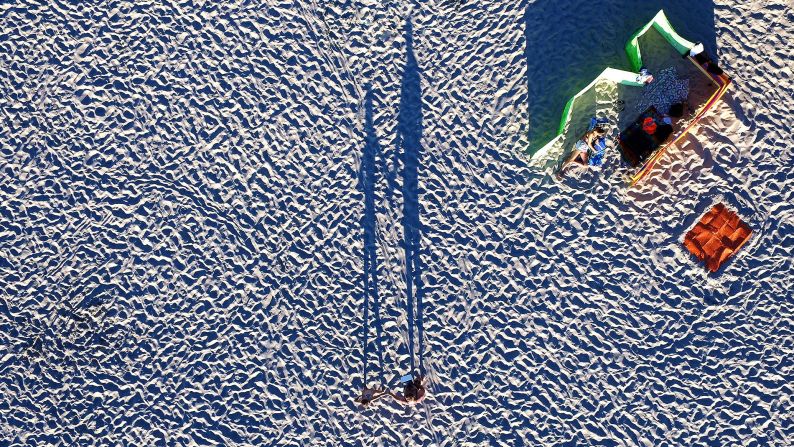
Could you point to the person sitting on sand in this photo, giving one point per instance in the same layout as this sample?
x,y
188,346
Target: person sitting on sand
x,y
660,129
413,393
583,148
369,395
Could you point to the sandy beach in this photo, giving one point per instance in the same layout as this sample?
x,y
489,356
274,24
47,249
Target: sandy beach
x,y
219,221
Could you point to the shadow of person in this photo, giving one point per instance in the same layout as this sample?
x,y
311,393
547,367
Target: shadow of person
x,y
367,178
409,136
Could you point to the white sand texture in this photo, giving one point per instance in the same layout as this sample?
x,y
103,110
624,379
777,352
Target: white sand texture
x,y
220,220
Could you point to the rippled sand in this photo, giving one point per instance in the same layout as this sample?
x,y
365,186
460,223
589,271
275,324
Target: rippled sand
x,y
216,220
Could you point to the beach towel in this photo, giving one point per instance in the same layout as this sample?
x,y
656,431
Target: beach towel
x,y
718,235
665,90
596,159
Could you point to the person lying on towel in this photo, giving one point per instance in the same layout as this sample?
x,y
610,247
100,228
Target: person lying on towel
x,y
588,150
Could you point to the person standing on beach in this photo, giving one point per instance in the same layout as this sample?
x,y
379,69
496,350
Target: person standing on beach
x,y
413,393
369,395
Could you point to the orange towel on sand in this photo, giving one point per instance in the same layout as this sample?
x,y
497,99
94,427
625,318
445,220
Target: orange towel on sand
x,y
717,236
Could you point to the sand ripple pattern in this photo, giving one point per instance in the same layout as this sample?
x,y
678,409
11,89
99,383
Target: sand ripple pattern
x,y
191,192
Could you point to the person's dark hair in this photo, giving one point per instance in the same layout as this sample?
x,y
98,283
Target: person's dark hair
x,y
676,110
412,390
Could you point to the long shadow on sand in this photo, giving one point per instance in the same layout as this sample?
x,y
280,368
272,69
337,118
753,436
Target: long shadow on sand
x,y
409,136
584,46
367,178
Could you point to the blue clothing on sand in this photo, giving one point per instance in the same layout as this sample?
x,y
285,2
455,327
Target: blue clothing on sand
x,y
596,158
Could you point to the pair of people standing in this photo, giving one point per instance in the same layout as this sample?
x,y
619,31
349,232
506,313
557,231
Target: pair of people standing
x,y
413,393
